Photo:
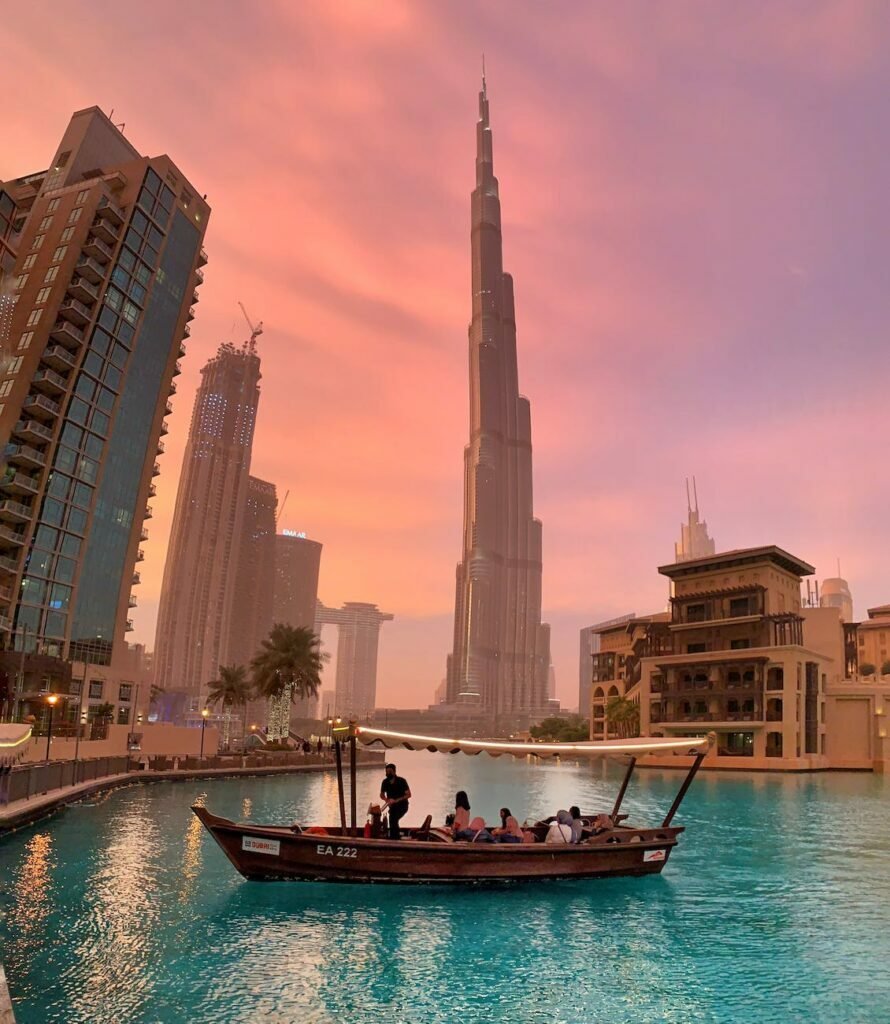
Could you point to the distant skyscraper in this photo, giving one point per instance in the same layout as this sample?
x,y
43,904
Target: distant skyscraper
x,y
694,540
359,634
297,563
836,594
501,654
198,593
105,249
254,580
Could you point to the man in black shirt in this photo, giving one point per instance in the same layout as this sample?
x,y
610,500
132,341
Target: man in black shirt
x,y
394,792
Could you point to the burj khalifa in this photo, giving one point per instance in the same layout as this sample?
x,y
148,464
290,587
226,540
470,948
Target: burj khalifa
x,y
501,654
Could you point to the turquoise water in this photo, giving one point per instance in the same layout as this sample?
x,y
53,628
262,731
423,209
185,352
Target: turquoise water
x,y
775,908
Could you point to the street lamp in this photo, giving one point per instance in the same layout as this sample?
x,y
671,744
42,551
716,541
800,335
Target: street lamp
x,y
205,712
51,700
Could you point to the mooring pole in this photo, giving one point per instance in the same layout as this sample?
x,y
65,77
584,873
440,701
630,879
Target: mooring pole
x,y
686,784
339,758
352,793
623,790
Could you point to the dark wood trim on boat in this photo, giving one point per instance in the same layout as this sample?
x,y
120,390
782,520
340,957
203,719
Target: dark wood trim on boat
x,y
687,782
623,790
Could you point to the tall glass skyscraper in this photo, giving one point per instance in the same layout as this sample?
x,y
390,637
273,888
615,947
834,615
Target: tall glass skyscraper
x,y
198,595
501,655
107,254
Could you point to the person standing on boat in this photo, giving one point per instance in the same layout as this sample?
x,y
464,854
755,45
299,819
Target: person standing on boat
x,y
395,793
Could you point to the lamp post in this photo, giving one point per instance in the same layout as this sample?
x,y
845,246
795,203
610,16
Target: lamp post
x,y
51,700
205,712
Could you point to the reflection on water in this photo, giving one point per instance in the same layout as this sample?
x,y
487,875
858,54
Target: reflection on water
x,y
128,912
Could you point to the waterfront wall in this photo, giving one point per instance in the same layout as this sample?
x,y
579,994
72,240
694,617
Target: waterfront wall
x,y
161,739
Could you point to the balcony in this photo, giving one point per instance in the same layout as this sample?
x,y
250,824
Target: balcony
x,y
25,455
105,230
10,535
172,387
164,428
140,555
129,627
5,624
8,564
75,311
168,409
50,382
107,210
137,579
199,274
196,298
156,469
131,603
152,490
67,334
143,534
96,248
187,331
83,289
41,407
91,270
18,483
5,594
161,449
15,511
181,350
191,313
59,358
148,512
177,369
31,430
202,258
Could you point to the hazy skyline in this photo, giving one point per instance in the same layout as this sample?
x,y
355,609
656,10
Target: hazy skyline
x,y
696,215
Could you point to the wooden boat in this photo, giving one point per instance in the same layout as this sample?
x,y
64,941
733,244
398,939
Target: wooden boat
x,y
339,853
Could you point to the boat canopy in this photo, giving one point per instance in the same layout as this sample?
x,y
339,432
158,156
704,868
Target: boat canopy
x,y
13,741
688,745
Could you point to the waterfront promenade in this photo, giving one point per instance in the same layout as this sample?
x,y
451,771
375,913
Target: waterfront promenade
x,y
125,772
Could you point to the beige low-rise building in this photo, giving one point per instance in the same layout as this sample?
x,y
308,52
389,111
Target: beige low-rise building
x,y
738,655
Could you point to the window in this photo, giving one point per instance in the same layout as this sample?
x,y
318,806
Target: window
x,y
15,365
126,692
42,296
45,223
29,261
38,241
66,235
5,388
696,648
81,196
74,216
735,744
95,690
739,645
738,607
59,254
25,340
51,275
123,716
52,206
34,317
21,281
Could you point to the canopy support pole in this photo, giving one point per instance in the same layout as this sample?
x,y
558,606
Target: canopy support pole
x,y
687,782
623,790
352,794
339,758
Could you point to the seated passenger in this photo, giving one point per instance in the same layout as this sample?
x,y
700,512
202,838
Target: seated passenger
x,y
460,820
561,829
511,832
480,831
577,824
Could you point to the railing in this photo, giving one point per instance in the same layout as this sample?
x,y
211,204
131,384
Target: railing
x,y
29,780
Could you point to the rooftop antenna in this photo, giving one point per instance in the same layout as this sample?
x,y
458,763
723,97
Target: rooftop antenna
x,y
255,332
695,494
281,506
484,93
688,499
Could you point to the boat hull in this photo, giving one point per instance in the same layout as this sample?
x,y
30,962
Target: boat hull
x,y
275,853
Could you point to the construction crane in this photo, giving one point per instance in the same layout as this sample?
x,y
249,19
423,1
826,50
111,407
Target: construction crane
x,y
281,506
255,332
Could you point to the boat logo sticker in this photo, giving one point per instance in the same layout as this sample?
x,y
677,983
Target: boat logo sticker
x,y
651,855
270,846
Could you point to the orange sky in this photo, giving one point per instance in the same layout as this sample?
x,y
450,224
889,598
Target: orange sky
x,y
695,215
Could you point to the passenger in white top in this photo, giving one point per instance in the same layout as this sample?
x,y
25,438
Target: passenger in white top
x,y
560,831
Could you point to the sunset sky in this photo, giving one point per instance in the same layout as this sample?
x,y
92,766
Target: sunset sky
x,y
696,215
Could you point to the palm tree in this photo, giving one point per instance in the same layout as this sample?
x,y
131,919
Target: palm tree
x,y
232,690
289,662
623,717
